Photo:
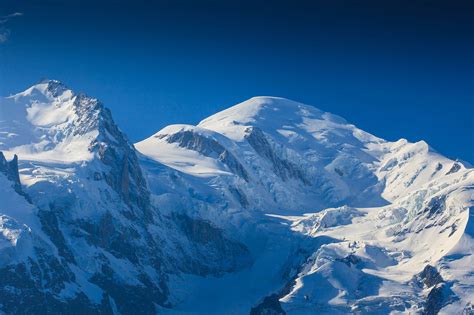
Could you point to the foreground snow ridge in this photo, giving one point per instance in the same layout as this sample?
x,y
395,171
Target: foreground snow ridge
x,y
268,207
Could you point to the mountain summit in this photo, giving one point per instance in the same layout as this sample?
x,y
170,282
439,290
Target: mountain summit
x,y
49,121
268,207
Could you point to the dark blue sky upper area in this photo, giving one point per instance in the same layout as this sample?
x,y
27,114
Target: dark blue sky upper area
x,y
394,68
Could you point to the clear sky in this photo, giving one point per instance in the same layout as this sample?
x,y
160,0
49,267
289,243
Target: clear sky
x,y
393,68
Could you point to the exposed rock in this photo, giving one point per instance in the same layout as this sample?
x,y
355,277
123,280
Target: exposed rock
x,y
55,88
456,167
50,225
439,292
283,168
269,306
339,172
468,310
132,299
34,287
208,147
10,170
435,205
349,260
213,253
124,175
435,300
240,196
429,276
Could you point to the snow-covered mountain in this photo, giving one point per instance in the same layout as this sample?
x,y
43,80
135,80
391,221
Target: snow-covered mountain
x,y
268,207
103,247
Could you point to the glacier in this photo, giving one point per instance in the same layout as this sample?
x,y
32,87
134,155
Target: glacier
x,y
268,207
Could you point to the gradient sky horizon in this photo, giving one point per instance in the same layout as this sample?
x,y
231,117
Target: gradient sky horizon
x,y
397,69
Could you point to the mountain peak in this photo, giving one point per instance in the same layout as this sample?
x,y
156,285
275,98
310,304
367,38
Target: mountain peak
x,y
49,81
275,99
50,119
271,99
275,103
257,108
46,88
271,114
56,88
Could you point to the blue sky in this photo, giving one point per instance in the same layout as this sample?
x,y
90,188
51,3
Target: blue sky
x,y
393,68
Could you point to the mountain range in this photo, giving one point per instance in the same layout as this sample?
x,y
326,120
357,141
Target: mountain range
x,y
268,207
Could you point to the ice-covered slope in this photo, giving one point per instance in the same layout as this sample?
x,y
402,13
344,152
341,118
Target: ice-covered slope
x,y
387,251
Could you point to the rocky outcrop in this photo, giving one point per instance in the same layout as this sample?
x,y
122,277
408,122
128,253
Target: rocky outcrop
x,y
55,88
439,292
455,168
435,206
210,251
283,168
36,286
429,276
210,148
124,174
269,306
10,170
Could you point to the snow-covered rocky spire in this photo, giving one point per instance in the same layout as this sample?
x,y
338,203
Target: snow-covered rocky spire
x,y
50,121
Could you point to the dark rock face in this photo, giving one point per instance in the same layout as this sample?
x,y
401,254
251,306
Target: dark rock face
x,y
439,294
456,167
210,148
434,300
239,196
50,225
56,88
34,287
10,170
430,276
439,167
132,299
269,306
210,245
111,236
114,150
350,260
283,168
435,205
339,172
